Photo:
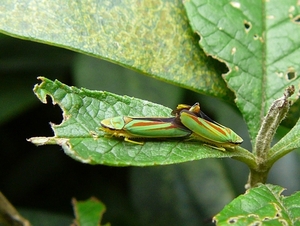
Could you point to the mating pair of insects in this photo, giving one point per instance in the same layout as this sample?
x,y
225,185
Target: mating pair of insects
x,y
188,122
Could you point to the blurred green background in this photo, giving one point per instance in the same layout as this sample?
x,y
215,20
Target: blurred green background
x,y
40,181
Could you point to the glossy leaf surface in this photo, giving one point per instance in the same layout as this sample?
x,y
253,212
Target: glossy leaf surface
x,y
153,37
259,42
263,204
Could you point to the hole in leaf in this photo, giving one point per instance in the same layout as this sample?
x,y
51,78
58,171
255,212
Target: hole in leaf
x,y
297,19
232,221
291,74
247,26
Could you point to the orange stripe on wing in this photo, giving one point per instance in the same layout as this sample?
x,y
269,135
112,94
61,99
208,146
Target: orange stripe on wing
x,y
151,123
216,127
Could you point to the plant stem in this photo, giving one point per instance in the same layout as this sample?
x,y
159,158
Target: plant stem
x,y
246,157
256,177
271,121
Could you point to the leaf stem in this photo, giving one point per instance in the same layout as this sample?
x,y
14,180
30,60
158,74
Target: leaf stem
x,y
245,157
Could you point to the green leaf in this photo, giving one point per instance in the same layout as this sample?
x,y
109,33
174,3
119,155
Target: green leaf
x,y
263,204
288,143
81,138
153,37
258,41
88,212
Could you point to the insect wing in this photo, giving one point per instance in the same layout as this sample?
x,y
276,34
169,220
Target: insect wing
x,y
156,128
209,131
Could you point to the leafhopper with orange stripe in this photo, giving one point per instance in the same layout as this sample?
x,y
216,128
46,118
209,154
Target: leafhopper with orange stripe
x,y
205,129
132,128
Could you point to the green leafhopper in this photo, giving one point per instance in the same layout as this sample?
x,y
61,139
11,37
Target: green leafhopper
x,y
144,127
205,129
